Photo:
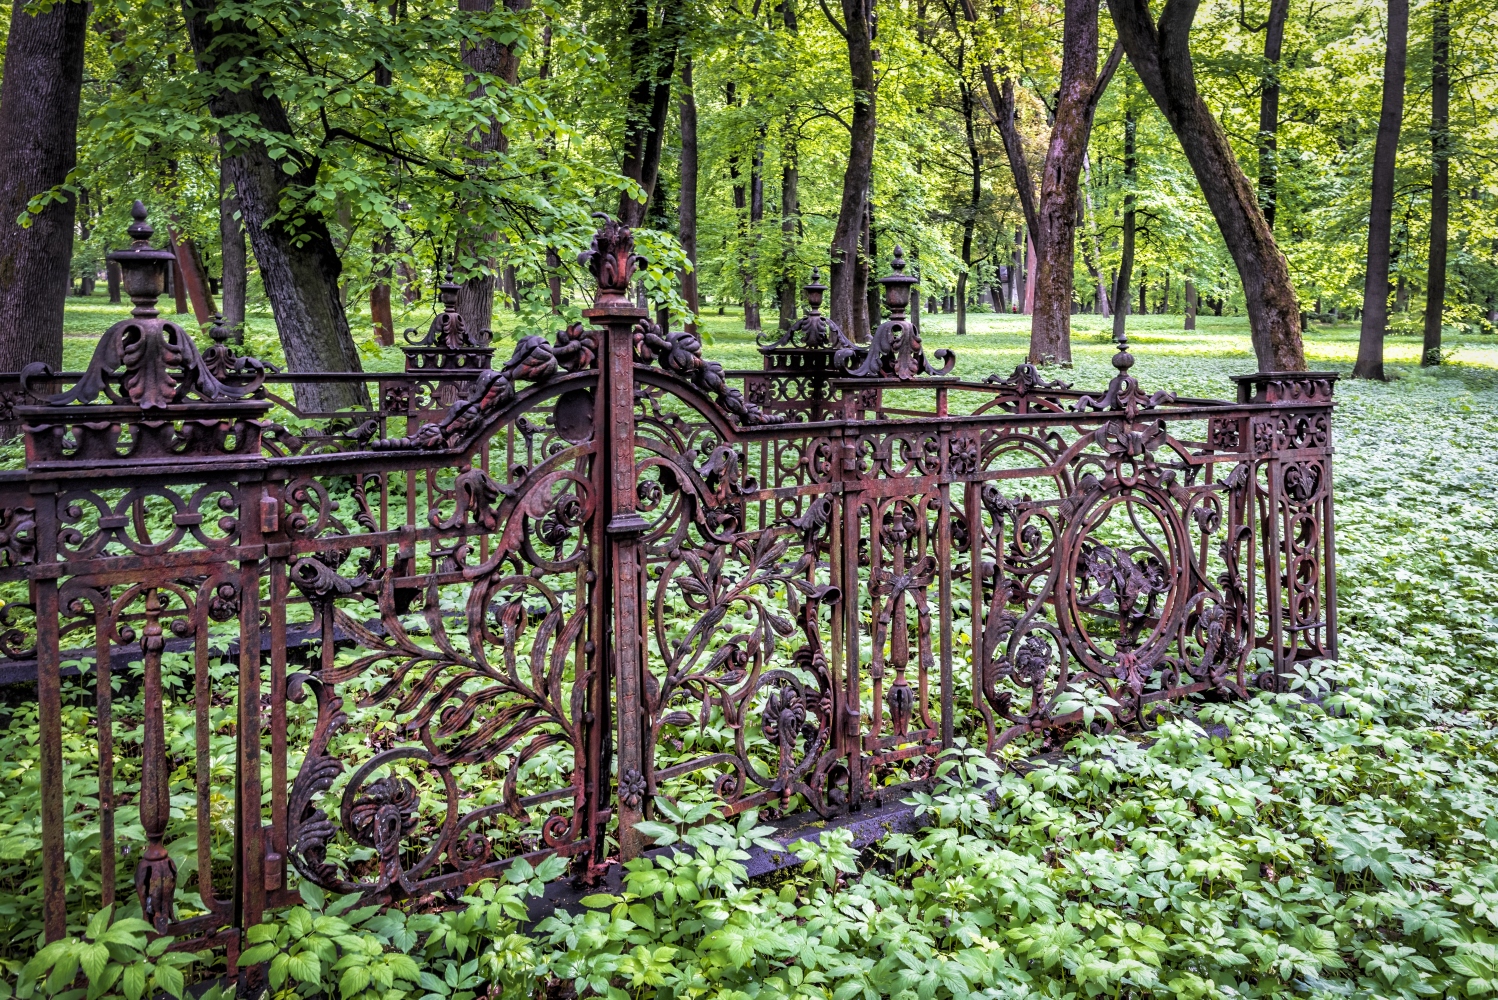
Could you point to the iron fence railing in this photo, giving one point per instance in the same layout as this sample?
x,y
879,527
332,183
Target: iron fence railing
x,y
507,611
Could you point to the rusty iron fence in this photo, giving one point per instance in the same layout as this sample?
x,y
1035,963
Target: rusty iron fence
x,y
558,595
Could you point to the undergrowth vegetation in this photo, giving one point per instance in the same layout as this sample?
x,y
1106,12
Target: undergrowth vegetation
x,y
1339,840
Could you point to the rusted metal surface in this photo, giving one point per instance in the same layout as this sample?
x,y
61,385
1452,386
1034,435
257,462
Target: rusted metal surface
x,y
608,573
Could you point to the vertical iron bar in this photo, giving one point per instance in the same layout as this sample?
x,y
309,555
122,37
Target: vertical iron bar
x,y
104,699
944,598
251,832
49,713
617,316
275,874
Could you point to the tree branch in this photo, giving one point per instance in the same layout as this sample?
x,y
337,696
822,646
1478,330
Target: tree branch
x,y
832,20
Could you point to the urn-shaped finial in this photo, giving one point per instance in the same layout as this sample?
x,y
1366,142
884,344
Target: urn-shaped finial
x,y
897,285
142,269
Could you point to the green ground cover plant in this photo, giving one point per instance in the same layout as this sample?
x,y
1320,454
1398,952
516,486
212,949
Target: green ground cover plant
x,y
1340,840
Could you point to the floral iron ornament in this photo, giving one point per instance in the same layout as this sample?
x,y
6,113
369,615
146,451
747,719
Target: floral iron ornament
x,y
146,360
895,347
813,331
612,260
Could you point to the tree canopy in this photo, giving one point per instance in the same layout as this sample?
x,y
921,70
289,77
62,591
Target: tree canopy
x,y
397,141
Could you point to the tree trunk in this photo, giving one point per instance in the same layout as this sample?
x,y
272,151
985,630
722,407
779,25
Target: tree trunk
x,y
1162,58
1016,272
1081,88
112,275
476,296
845,293
975,195
379,297
868,274
790,225
756,217
1370,362
1030,268
1002,111
298,261
232,257
652,62
1269,109
1190,306
193,275
1440,179
1096,264
43,78
686,210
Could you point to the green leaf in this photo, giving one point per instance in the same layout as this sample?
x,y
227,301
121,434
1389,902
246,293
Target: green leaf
x,y
311,894
169,979
355,980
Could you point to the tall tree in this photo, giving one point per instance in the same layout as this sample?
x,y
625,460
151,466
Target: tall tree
x,y
298,260
756,217
654,40
1440,179
790,222
1122,303
476,244
847,291
1161,55
686,204
790,195
1370,362
38,147
1076,103
233,260
1269,108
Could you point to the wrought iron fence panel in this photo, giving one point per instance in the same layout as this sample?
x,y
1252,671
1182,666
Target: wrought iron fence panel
x,y
509,612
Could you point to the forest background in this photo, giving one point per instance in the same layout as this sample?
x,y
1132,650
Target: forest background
x,y
386,144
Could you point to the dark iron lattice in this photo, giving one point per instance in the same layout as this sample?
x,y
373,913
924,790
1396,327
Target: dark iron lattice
x,y
609,571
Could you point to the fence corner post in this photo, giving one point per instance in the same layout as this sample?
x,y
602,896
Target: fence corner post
x,y
612,261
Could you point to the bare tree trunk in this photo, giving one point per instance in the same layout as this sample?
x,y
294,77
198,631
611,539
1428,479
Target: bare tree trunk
x,y
1190,306
868,274
192,277
38,146
380,314
1121,299
1370,362
1002,111
756,218
1269,109
112,275
298,261
686,210
1081,88
476,296
652,61
975,195
232,256
1440,180
846,295
1030,267
790,225
379,297
1096,264
1162,58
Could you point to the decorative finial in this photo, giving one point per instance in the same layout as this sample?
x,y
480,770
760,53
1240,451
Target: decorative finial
x,y
897,285
218,332
140,230
1122,359
612,260
142,269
